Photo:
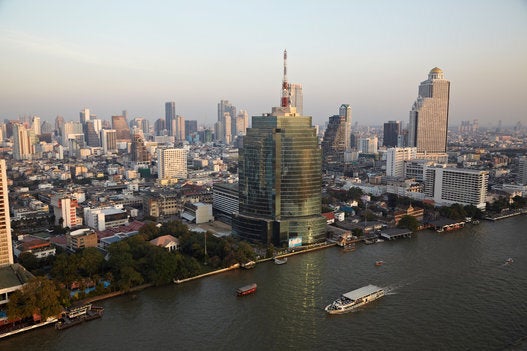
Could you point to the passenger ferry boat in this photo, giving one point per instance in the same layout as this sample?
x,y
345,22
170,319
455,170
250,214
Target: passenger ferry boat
x,y
280,260
246,290
77,315
354,299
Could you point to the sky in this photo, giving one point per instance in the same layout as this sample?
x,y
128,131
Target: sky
x,y
58,57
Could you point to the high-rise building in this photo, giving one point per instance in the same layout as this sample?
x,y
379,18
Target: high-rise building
x,y
139,150
447,186
392,130
84,115
280,179
170,116
427,129
109,140
297,97
172,163
180,128
6,244
121,128
91,134
522,170
22,146
395,158
191,127
35,125
242,122
160,126
337,136
368,145
59,125
70,128
65,210
225,108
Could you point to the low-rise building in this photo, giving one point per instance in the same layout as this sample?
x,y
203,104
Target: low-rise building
x,y
80,239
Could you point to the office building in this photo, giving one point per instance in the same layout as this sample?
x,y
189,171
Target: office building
x,y
226,114
191,128
368,145
172,163
84,115
427,129
170,117
139,150
121,128
392,130
160,127
337,136
6,244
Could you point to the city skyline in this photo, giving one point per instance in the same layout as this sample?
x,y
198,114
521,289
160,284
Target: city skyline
x,y
59,58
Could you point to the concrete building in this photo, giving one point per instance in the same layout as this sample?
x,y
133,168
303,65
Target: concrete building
x,y
65,210
522,170
105,217
395,160
167,242
368,145
172,163
297,97
80,239
22,146
427,129
109,141
197,212
225,199
6,244
122,130
447,186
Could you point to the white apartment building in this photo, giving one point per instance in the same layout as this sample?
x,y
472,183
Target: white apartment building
x,y
395,158
105,217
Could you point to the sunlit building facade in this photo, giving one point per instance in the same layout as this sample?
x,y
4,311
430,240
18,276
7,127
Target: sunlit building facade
x,y
280,181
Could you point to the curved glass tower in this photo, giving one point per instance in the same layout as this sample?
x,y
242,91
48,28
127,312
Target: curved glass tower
x,y
280,181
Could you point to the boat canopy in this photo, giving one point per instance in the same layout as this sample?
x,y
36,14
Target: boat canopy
x,y
361,292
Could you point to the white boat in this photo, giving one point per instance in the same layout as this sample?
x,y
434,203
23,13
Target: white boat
x,y
354,299
280,260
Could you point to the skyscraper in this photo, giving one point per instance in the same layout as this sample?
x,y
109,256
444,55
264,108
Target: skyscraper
x,y
428,125
280,180
84,115
121,127
226,110
337,137
109,140
170,115
180,128
22,147
392,129
6,244
191,127
297,97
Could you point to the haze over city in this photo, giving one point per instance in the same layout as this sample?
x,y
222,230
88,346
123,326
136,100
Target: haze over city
x,y
59,57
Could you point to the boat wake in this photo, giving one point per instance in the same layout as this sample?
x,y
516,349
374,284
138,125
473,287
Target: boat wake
x,y
393,288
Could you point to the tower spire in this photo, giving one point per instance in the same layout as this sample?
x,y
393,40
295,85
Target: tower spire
x,y
286,89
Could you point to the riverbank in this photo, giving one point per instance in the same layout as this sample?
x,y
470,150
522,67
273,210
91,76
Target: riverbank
x,y
507,214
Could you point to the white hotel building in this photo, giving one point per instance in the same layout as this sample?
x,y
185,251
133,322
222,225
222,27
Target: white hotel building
x,y
172,163
447,186
395,158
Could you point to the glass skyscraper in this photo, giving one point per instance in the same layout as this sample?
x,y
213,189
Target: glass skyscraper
x,y
280,181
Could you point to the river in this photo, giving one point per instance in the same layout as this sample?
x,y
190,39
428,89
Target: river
x,y
447,291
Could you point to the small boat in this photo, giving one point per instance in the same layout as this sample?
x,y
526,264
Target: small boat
x,y
280,260
509,260
248,265
349,247
379,263
246,290
354,299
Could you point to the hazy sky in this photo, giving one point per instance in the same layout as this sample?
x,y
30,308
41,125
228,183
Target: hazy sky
x,y
57,57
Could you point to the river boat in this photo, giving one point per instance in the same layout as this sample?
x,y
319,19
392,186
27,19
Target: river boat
x,y
349,247
379,263
280,260
78,315
509,260
248,265
246,290
354,299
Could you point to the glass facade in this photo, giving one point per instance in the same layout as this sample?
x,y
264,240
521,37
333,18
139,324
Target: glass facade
x,y
280,181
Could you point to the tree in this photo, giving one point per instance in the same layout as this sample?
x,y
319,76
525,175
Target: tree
x,y
409,222
28,260
91,261
40,295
